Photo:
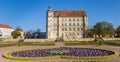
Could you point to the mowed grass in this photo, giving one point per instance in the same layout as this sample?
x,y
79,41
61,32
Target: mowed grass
x,y
81,43
113,43
15,43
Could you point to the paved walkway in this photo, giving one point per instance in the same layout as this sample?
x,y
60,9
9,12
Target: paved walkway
x,y
6,49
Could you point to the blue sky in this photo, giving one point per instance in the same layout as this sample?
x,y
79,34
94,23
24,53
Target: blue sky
x,y
31,14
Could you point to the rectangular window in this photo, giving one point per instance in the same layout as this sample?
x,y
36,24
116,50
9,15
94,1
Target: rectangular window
x,y
73,24
69,24
62,29
70,29
77,24
74,29
69,19
65,24
73,19
77,19
78,29
65,29
62,24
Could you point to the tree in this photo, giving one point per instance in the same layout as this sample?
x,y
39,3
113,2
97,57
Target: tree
x,y
90,32
16,34
29,34
19,29
118,31
103,29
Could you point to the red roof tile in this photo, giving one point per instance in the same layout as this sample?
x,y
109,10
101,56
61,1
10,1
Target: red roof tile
x,y
5,26
69,13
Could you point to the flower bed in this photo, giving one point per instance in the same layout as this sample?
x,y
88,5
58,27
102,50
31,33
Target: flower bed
x,y
62,52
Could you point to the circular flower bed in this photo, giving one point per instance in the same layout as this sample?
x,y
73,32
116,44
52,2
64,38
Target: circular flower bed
x,y
62,52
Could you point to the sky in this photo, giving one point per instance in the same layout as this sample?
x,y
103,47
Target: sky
x,y
31,14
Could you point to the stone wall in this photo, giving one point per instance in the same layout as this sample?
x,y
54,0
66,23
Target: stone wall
x,y
30,40
80,39
90,39
44,40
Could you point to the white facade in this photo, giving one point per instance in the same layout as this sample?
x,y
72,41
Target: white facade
x,y
66,27
5,32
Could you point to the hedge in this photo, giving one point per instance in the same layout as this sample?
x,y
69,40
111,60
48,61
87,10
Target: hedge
x,y
83,43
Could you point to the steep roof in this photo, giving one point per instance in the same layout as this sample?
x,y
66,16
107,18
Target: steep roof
x,y
69,13
5,26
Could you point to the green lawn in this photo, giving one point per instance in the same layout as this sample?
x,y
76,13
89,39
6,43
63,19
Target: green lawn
x,y
13,43
82,43
113,43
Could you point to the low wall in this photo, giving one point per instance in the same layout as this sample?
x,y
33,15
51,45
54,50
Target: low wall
x,y
80,39
44,40
91,39
111,38
39,40
30,40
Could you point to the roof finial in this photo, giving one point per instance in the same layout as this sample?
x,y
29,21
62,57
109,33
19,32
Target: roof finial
x,y
49,7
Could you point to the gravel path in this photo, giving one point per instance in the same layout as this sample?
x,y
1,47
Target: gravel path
x,y
6,49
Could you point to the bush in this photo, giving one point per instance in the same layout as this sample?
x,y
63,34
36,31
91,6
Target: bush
x,y
16,34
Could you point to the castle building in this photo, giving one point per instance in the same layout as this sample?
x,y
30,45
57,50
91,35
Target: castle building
x,y
66,24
